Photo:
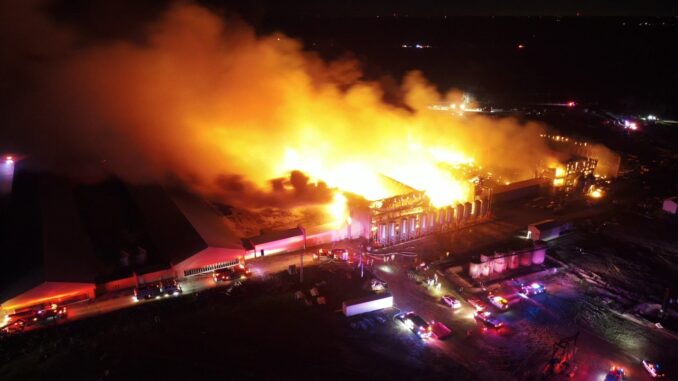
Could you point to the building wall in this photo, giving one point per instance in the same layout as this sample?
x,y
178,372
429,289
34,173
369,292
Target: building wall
x,y
281,246
156,276
209,256
120,284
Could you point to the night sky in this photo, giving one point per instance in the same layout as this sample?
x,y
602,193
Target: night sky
x,y
454,8
256,9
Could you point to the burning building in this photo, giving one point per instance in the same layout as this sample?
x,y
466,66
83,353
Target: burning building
x,y
583,160
412,215
254,108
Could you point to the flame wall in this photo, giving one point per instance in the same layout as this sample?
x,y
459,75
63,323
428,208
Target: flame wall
x,y
208,103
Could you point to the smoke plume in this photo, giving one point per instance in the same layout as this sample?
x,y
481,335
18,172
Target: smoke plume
x,y
204,99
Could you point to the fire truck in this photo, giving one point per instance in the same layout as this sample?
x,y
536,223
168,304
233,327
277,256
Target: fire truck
x,y
35,315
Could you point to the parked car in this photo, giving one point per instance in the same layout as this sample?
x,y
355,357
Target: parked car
x,y
147,291
416,324
340,254
231,273
440,330
488,319
498,302
615,374
653,369
532,289
378,285
450,301
170,287
222,275
477,304
241,271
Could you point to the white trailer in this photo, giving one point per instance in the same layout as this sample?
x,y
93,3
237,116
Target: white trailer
x,y
370,303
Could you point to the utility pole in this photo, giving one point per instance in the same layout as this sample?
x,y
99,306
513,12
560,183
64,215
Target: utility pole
x,y
301,267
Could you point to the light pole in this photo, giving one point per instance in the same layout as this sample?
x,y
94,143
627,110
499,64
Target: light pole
x,y
301,267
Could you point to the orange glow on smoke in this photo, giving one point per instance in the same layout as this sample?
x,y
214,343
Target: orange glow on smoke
x,y
203,99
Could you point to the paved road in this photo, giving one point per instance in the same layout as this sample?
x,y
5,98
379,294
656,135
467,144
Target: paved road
x,y
533,325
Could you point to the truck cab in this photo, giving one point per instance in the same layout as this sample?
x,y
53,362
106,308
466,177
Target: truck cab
x,y
170,287
147,291
416,324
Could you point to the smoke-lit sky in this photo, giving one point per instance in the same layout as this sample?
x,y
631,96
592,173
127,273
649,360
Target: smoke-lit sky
x,y
197,95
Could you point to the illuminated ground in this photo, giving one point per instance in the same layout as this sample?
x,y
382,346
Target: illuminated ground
x,y
214,333
260,332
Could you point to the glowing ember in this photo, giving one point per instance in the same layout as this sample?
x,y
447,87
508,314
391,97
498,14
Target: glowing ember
x,y
596,193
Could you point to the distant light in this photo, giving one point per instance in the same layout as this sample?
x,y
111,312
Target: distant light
x,y
9,159
571,104
651,117
630,125
521,46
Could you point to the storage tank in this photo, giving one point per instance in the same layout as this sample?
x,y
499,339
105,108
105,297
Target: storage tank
x,y
484,207
459,213
474,269
476,208
424,223
526,258
512,261
467,210
538,255
392,232
485,268
404,231
499,264
383,236
450,214
413,227
442,212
